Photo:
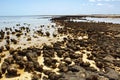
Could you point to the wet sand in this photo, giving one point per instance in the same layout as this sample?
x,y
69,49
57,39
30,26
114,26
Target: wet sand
x,y
65,51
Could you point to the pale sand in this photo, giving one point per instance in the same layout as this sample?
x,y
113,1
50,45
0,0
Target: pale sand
x,y
38,42
84,58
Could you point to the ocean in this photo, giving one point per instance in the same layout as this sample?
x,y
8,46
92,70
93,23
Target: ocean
x,y
92,19
37,20
32,21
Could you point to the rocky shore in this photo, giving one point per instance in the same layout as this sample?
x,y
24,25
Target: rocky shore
x,y
78,51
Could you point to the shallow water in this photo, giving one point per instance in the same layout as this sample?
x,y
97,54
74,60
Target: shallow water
x,y
10,21
108,20
90,19
34,23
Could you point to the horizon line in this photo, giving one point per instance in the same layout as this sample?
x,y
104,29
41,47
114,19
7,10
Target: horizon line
x,y
62,15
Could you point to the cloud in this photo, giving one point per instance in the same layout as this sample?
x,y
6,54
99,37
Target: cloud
x,y
92,0
99,4
106,5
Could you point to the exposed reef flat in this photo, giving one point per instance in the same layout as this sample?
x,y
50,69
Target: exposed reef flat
x,y
73,51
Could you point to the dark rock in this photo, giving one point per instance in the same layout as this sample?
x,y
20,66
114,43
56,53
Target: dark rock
x,y
6,28
47,47
99,65
48,53
38,52
14,41
63,67
118,50
36,76
22,52
18,34
17,57
90,57
47,72
53,65
90,69
38,67
74,68
21,62
60,53
117,63
68,60
112,74
17,24
66,54
40,32
54,61
7,37
12,71
93,77
29,39
0,74
47,61
13,33
65,39
47,34
8,41
78,61
1,49
52,26
53,76
29,66
45,78
7,47
0,58
109,58
8,33
31,56
4,67
71,76
9,60
54,35
12,51
85,64
75,56
22,28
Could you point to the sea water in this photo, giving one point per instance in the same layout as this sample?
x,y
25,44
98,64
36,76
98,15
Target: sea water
x,y
91,19
32,21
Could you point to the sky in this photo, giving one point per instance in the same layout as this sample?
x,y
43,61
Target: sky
x,y
58,7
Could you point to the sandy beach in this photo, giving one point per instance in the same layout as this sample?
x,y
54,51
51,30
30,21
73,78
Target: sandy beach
x,y
63,50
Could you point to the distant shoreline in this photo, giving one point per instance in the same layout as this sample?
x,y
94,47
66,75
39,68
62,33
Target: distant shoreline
x,y
79,15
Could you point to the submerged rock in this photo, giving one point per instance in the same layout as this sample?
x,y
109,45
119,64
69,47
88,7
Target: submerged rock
x,y
14,41
47,34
